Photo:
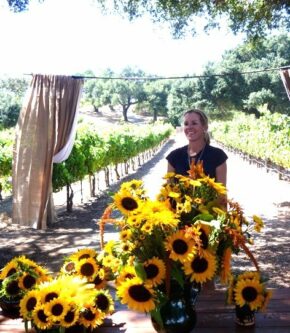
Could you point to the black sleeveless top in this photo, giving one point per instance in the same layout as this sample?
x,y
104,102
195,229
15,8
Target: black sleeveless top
x,y
212,157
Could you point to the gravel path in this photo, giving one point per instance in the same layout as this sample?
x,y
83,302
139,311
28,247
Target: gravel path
x,y
257,191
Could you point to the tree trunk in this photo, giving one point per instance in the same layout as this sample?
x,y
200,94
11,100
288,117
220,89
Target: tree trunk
x,y
125,110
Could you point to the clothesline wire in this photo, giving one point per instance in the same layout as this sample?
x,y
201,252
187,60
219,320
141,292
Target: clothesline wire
x,y
139,78
155,78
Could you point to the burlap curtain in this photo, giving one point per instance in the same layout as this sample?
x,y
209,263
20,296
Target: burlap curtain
x,y
43,130
285,76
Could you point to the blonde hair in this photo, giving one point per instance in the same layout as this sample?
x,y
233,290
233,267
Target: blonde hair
x,y
203,119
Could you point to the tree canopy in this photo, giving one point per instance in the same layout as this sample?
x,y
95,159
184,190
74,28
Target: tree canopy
x,y
254,18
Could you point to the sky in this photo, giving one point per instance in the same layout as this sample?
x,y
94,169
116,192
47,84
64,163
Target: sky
x,y
65,37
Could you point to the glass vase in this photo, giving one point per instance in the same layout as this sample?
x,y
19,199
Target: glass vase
x,y
178,313
245,316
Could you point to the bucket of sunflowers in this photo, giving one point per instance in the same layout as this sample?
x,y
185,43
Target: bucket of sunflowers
x,y
170,247
248,292
17,277
76,300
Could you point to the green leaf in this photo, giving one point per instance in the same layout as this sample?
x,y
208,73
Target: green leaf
x,y
155,314
140,271
204,217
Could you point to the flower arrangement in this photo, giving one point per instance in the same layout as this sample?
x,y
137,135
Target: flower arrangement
x,y
248,289
19,276
75,298
187,235
61,303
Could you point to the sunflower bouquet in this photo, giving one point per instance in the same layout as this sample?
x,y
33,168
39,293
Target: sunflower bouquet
x,y
249,288
248,292
61,303
19,276
187,235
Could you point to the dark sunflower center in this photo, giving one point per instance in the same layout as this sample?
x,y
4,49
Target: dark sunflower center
x,y
204,239
151,271
129,203
50,296
69,317
129,276
41,316
87,269
12,288
139,293
102,302
249,294
199,265
30,305
11,271
89,315
29,281
57,309
180,246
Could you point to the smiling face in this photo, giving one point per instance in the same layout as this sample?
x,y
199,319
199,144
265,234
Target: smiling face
x,y
193,127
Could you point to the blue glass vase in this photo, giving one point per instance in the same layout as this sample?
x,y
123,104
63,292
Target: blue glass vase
x,y
178,313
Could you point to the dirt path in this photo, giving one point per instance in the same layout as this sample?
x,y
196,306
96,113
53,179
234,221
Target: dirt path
x,y
256,190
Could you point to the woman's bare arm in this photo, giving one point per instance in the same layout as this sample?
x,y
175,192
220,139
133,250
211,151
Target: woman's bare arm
x,y
221,173
170,168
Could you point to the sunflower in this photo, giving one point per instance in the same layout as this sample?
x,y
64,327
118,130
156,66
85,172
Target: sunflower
x,y
249,291
127,247
84,254
71,317
165,219
127,272
147,227
134,221
9,269
126,202
10,287
56,309
180,247
27,281
40,319
202,267
91,317
104,302
138,295
28,303
48,293
125,235
134,186
87,268
68,267
155,271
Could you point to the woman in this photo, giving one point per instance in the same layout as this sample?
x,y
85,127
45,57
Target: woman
x,y
195,125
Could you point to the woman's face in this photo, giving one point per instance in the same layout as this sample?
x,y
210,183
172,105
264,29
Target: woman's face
x,y
193,128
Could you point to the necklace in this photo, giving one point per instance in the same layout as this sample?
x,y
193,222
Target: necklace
x,y
191,157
